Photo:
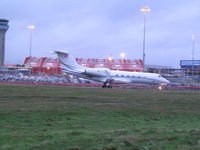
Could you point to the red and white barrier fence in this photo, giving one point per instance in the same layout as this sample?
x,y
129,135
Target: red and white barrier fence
x,y
167,87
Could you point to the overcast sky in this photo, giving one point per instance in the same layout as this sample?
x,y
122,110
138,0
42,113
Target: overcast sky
x,y
100,28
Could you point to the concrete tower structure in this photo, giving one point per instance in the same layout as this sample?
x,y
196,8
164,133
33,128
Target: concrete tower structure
x,y
3,28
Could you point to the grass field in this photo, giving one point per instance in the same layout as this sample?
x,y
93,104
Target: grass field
x,y
70,118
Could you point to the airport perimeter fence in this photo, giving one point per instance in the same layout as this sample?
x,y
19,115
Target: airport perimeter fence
x,y
126,86
41,79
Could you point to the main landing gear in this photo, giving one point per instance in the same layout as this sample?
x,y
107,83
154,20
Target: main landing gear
x,y
107,85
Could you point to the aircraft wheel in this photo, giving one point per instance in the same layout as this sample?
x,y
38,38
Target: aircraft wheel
x,y
109,86
103,86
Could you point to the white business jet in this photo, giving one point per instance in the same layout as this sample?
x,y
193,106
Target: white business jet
x,y
105,75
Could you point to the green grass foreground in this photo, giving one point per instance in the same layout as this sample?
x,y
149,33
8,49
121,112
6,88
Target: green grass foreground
x,y
69,118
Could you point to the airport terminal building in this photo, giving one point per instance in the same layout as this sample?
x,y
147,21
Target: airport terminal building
x,y
52,65
191,67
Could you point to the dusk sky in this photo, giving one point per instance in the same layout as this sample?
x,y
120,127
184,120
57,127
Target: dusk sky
x,y
100,28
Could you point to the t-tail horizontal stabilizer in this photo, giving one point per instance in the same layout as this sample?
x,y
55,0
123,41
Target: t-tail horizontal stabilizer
x,y
68,62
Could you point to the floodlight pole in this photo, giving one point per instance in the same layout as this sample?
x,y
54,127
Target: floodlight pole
x,y
31,27
193,49
144,10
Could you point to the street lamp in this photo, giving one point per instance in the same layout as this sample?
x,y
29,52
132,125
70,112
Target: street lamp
x,y
110,58
31,27
144,10
122,55
194,36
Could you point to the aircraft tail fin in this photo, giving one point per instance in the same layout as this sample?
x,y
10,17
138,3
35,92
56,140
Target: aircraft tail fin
x,y
67,61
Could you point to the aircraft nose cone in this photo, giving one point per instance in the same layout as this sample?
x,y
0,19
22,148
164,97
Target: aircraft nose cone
x,y
165,80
